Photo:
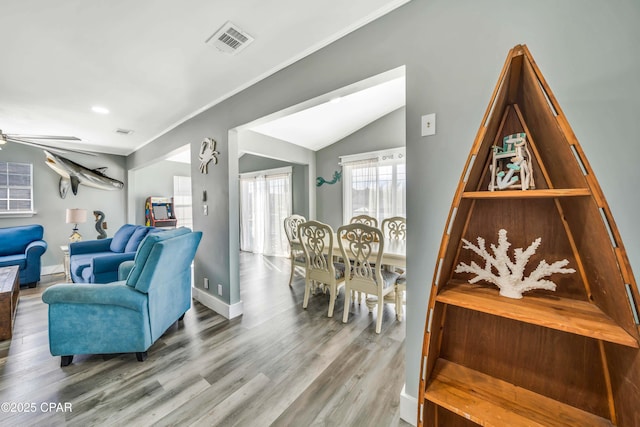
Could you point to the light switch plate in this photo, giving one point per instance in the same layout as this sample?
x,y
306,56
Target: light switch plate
x,y
429,124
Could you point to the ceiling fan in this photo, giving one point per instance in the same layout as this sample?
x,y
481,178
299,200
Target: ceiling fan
x,y
41,141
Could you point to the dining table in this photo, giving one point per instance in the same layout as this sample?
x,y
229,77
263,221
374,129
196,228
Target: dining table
x,y
394,253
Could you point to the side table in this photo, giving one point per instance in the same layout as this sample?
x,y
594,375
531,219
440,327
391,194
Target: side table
x,y
9,293
67,269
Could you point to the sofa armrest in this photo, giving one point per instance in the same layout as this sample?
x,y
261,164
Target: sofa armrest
x,y
106,263
89,246
124,269
35,249
116,293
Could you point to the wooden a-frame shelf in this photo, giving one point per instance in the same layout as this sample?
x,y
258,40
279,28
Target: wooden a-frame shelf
x,y
489,401
564,358
529,194
563,314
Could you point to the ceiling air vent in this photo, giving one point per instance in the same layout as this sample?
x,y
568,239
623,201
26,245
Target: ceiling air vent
x,y
230,38
124,131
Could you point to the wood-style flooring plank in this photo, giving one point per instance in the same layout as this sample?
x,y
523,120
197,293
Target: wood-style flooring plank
x,y
278,364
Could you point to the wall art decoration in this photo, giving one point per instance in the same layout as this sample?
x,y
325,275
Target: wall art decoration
x,y
337,175
73,174
207,154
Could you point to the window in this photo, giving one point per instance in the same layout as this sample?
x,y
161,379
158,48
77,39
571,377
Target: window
x,y
374,184
265,201
182,201
16,187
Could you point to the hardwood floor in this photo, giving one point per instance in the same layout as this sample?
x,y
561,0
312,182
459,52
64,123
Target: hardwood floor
x,y
276,365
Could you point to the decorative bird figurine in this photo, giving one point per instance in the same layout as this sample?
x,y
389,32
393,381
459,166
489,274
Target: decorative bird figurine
x,y
207,153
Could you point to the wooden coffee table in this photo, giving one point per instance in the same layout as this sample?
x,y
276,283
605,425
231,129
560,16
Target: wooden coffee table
x,y
9,293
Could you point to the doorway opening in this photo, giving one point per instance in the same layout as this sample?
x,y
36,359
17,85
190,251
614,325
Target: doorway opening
x,y
265,201
315,134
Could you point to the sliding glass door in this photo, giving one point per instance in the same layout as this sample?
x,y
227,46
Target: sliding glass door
x,y
265,201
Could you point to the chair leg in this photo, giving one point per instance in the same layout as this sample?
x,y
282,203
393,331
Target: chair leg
x,y
293,269
379,319
307,291
347,303
66,361
332,299
141,356
181,318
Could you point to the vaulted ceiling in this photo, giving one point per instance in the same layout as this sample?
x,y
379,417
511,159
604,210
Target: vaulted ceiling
x,y
146,61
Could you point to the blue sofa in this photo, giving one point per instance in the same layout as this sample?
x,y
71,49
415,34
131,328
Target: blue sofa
x,y
129,315
97,261
23,246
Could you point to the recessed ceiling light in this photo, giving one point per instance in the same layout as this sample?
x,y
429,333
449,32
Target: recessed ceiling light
x,y
99,110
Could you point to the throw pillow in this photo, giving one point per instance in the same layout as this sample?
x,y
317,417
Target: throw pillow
x,y
121,238
136,238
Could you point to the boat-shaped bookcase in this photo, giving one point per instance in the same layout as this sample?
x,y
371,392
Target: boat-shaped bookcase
x,y
568,357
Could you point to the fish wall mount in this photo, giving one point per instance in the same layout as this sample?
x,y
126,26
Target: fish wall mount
x,y
73,174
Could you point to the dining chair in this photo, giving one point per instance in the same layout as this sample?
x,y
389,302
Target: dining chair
x,y
367,220
317,243
395,228
364,219
357,243
296,253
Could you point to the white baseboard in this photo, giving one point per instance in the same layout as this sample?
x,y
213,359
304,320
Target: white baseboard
x,y
408,407
45,270
220,307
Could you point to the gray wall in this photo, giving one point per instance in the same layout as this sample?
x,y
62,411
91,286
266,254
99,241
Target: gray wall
x,y
51,208
453,52
155,180
299,178
386,132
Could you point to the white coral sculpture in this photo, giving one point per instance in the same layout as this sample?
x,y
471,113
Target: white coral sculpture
x,y
509,277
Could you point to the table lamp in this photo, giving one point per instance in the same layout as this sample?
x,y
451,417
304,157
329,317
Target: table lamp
x,y
76,216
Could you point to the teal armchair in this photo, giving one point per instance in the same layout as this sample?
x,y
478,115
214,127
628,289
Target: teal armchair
x,y
129,315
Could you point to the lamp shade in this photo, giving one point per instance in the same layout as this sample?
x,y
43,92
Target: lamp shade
x,y
76,216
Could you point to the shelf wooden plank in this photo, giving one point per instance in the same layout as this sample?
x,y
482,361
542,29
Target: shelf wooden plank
x,y
573,316
527,194
489,401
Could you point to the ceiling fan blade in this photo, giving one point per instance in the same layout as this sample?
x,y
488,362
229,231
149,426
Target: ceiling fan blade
x,y
49,147
60,138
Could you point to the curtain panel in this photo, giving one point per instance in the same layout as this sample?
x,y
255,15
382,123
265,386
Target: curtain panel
x,y
265,201
374,184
